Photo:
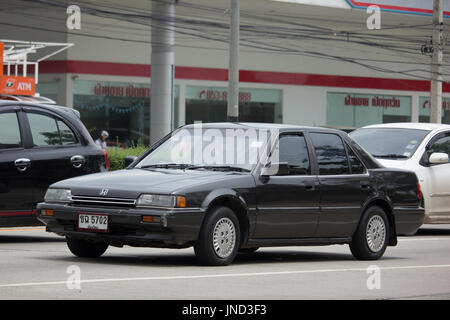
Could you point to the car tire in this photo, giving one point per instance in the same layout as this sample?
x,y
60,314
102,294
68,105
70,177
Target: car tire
x,y
248,250
86,249
219,238
372,236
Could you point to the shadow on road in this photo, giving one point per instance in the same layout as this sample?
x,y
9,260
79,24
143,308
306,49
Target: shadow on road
x,y
187,258
435,231
28,239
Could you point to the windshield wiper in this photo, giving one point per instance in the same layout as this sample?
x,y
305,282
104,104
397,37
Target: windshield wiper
x,y
167,166
390,156
210,167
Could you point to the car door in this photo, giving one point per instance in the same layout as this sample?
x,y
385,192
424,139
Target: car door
x,y
16,187
56,152
288,205
344,184
438,199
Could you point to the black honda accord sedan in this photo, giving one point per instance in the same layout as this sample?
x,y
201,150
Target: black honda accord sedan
x,y
229,187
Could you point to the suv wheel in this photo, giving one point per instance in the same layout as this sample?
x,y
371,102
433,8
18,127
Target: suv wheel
x,y
86,249
372,236
218,241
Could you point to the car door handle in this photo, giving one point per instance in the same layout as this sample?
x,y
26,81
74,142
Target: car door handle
x,y
365,185
309,187
77,161
22,164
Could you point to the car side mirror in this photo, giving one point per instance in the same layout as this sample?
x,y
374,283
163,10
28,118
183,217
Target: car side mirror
x,y
129,160
275,169
438,158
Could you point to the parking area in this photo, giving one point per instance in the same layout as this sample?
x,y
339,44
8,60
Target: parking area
x,y
38,265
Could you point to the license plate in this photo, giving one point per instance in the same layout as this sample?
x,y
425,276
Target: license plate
x,y
93,222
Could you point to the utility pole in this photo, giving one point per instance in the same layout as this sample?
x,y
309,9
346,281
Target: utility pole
x,y
436,75
233,70
162,68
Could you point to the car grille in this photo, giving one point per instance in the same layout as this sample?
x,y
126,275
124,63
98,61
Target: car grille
x,y
103,202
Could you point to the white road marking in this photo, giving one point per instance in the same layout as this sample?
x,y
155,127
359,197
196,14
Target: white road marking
x,y
423,239
23,229
225,275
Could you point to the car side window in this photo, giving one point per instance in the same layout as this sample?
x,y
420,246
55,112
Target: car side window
x,y
441,145
9,131
330,154
294,151
356,165
43,130
67,135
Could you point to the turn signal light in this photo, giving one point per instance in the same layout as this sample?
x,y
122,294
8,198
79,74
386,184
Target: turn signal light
x,y
151,219
181,202
48,212
148,219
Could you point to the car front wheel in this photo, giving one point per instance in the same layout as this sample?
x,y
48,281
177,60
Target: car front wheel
x,y
372,236
86,249
219,238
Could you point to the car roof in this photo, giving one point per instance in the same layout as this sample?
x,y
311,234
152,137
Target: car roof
x,y
411,125
256,125
58,109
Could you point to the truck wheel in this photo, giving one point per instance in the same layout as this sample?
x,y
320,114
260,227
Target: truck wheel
x,y
219,237
372,236
86,249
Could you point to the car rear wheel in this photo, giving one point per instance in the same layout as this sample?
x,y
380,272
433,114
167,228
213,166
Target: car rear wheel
x,y
372,236
86,249
219,238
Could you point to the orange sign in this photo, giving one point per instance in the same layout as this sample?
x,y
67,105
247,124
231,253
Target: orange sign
x,y
22,86
1,58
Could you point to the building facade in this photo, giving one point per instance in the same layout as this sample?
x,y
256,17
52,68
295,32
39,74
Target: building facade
x,y
108,79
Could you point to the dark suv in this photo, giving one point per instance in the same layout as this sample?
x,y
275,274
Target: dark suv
x,y
39,145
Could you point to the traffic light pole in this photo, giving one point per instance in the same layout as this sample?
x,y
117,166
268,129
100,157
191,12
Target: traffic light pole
x,y
436,74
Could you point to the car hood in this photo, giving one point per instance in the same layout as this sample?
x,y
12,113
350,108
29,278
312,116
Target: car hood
x,y
130,183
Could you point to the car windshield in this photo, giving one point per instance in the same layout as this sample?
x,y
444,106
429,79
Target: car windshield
x,y
389,143
208,149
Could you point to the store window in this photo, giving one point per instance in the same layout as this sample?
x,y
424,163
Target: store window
x,y
424,110
48,90
122,109
358,110
209,104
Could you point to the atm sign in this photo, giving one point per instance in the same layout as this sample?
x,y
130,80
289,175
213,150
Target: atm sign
x,y
21,86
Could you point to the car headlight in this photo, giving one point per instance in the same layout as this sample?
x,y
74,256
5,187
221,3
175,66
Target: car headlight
x,y
58,195
158,200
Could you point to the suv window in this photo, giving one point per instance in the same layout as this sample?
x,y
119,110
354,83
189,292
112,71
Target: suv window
x,y
330,153
67,135
441,145
356,165
48,131
293,150
44,130
9,131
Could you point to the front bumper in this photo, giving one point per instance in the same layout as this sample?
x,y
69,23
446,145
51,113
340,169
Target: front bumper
x,y
408,220
177,227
